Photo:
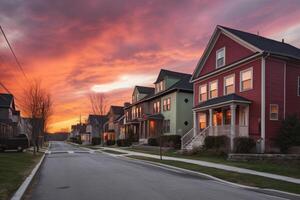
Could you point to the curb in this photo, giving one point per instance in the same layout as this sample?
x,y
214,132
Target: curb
x,y
170,167
22,189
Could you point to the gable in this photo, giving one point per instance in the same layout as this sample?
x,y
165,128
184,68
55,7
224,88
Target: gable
x,y
233,52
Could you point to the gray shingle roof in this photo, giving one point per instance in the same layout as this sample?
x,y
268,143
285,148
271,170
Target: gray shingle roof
x,y
119,110
5,100
223,99
145,90
266,44
101,119
164,72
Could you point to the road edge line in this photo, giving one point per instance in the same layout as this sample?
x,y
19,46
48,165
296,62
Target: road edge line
x,y
23,187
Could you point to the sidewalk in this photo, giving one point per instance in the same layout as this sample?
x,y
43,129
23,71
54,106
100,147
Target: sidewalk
x,y
210,164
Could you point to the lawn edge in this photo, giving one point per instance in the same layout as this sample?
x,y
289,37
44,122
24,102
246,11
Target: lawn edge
x,y
24,186
165,166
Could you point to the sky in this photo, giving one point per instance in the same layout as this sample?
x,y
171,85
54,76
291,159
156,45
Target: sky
x,y
76,47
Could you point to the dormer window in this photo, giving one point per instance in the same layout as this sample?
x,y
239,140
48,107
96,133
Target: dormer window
x,y
160,86
220,57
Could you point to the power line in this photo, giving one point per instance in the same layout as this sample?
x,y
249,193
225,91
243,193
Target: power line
x,y
12,51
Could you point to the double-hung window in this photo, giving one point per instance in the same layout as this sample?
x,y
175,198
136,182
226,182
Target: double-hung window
x,y
220,57
274,110
167,104
246,79
202,93
156,107
213,89
166,125
229,84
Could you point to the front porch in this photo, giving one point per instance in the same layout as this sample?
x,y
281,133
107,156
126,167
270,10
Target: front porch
x,y
150,127
221,116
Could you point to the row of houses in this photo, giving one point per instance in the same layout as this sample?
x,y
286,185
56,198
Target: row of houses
x,y
11,122
244,85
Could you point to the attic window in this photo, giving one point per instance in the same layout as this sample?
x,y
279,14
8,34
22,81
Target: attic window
x,y
220,57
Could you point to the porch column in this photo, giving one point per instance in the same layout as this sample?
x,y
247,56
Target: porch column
x,y
232,127
210,122
195,122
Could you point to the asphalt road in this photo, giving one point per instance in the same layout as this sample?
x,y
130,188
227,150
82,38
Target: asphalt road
x,y
86,175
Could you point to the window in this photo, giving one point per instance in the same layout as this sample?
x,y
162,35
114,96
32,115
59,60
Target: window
x,y
167,104
246,80
167,126
160,86
213,89
202,121
220,57
298,85
186,100
156,107
202,93
133,113
274,111
140,111
229,84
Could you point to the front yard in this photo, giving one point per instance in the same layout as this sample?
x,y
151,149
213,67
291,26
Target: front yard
x,y
14,168
285,168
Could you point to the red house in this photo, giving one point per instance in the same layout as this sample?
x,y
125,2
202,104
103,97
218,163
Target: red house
x,y
244,85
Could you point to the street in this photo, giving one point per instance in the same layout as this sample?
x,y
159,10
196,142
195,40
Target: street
x,y
73,173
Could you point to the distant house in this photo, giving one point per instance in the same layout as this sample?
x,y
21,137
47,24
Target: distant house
x,y
244,85
111,131
95,125
9,116
164,109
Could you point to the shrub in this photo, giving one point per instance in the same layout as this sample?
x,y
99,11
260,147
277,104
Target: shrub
x,y
243,144
124,142
215,142
289,133
152,142
110,142
96,140
76,139
173,141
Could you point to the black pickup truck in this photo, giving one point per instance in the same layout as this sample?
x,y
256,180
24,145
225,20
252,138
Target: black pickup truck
x,y
19,143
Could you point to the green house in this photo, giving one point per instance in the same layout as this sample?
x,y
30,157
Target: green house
x,y
165,109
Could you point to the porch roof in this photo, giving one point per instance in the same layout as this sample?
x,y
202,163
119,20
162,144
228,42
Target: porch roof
x,y
154,116
227,99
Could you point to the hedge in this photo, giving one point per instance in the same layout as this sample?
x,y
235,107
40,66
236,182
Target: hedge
x,y
96,140
124,142
173,141
243,144
110,142
152,142
216,142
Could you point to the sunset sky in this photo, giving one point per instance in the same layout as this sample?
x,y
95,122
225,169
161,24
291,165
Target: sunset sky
x,y
76,47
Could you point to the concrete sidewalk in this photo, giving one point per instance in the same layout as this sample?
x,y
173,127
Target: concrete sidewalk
x,y
210,164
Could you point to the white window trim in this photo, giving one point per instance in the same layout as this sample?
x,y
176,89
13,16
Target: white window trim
x,y
209,89
271,112
221,49
224,85
199,91
251,69
298,86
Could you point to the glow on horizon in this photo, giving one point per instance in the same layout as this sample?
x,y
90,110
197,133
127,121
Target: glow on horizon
x,y
124,82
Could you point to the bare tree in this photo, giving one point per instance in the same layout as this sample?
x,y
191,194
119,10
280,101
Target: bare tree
x,y
37,105
98,103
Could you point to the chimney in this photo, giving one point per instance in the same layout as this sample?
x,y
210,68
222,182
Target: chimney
x,y
282,40
126,104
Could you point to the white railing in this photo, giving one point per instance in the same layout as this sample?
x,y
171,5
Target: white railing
x,y
240,131
187,138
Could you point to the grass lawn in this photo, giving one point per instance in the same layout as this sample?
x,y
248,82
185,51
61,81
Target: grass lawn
x,y
245,179
14,168
112,152
286,168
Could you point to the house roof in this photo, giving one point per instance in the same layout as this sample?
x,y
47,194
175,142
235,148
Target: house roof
x,y
231,98
145,90
6,100
101,119
163,73
266,44
119,110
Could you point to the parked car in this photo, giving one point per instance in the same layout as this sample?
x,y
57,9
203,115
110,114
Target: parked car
x,y
19,143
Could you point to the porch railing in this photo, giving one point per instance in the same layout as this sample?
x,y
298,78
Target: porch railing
x,y
187,138
240,131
